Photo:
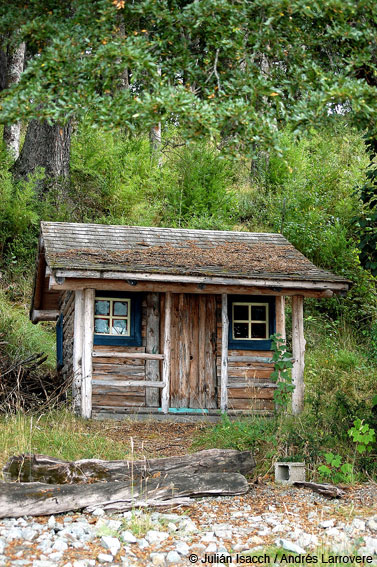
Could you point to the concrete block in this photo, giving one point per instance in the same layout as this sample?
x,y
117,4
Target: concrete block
x,y
288,473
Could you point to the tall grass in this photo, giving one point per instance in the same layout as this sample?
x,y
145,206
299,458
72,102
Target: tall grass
x,y
20,336
58,434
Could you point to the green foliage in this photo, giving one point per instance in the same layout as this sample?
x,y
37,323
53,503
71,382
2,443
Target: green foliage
x,y
336,471
363,435
281,375
199,195
59,434
211,52
308,195
21,337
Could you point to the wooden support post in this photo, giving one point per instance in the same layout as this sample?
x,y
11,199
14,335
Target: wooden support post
x,y
152,367
78,326
87,348
280,316
224,352
167,351
298,351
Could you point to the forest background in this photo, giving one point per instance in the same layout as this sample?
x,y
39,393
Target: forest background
x,y
213,115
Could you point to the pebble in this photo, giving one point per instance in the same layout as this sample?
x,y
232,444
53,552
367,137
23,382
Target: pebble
x,y
105,558
173,557
111,543
290,546
173,537
128,537
154,536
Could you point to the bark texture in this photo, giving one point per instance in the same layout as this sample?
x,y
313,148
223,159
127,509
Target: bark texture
x,y
46,146
14,66
41,468
37,499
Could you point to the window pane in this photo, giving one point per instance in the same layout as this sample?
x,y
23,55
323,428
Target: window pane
x,y
258,331
258,313
119,327
102,307
241,312
241,330
101,326
120,308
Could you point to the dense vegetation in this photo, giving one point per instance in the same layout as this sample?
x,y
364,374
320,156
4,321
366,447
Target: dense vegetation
x,y
310,192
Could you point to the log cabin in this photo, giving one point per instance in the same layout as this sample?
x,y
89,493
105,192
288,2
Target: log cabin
x,y
163,321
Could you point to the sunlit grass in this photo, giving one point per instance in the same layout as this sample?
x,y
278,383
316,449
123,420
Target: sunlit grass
x,y
58,434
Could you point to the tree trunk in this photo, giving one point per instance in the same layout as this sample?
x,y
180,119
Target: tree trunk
x,y
41,468
36,499
15,66
46,147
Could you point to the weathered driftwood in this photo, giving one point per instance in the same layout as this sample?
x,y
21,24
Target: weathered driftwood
x,y
41,468
37,499
328,490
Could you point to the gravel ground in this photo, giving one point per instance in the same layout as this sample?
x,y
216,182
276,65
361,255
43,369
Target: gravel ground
x,y
269,516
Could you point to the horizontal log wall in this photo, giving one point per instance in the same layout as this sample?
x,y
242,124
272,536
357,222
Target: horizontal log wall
x,y
249,387
67,308
108,370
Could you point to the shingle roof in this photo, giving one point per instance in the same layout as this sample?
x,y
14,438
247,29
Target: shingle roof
x,y
84,247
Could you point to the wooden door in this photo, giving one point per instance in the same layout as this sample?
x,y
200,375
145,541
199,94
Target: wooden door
x,y
193,351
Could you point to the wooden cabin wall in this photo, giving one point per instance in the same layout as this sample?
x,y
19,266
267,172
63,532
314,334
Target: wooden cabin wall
x,y
105,369
259,390
67,309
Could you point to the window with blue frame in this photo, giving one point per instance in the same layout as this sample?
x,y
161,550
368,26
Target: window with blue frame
x,y
117,318
251,322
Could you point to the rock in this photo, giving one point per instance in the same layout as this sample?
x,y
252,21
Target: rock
x,y
14,533
98,512
371,544
255,540
333,532
212,548
173,557
43,563
290,546
187,526
60,545
255,519
308,540
358,524
2,546
51,522
29,534
182,547
327,524
113,524
56,556
372,524
237,514
128,537
208,536
154,536
104,558
143,543
172,527
111,543
158,559
223,530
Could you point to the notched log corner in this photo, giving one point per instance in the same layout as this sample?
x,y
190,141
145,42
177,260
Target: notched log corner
x,y
42,468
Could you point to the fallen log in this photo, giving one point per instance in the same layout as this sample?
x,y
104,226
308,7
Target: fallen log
x,y
38,499
328,490
41,468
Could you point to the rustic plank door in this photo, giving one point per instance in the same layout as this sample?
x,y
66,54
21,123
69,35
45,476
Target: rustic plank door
x,y
193,354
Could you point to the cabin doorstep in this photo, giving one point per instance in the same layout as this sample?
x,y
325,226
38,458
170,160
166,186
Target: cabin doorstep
x,y
160,321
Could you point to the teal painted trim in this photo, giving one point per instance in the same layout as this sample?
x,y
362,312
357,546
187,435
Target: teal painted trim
x,y
185,410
